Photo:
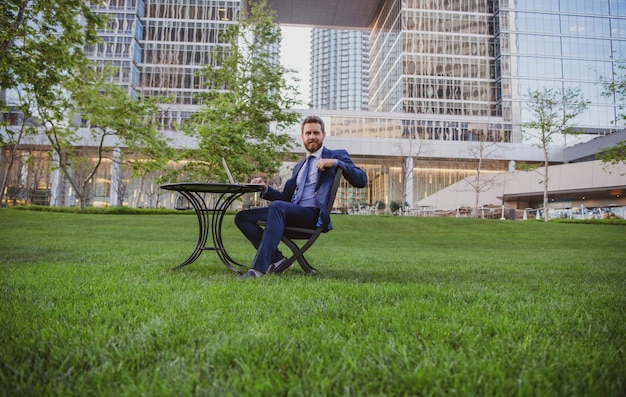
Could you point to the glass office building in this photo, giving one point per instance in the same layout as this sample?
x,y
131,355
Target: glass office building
x,y
339,69
474,61
435,62
559,44
169,41
120,41
460,71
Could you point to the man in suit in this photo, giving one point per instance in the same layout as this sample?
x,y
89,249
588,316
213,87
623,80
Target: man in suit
x,y
303,201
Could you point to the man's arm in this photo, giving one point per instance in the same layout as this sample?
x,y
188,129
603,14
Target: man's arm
x,y
267,192
353,174
271,194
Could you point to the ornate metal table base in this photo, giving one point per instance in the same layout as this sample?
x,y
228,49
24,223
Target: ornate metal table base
x,y
210,217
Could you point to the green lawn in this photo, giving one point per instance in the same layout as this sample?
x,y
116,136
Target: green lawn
x,y
401,306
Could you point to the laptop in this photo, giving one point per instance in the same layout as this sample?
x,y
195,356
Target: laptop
x,y
230,176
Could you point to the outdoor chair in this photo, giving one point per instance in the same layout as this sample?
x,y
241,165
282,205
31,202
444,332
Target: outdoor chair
x,y
310,235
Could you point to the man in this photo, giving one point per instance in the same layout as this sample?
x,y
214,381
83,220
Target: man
x,y
303,201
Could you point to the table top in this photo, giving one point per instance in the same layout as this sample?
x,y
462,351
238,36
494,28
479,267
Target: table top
x,y
209,187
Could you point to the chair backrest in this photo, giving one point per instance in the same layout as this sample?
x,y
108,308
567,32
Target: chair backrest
x,y
334,189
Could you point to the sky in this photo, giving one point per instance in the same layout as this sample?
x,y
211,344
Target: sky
x,y
295,54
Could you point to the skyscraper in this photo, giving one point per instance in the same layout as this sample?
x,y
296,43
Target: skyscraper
x,y
436,59
120,44
474,61
339,69
162,44
458,71
565,44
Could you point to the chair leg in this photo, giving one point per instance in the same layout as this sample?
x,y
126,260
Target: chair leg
x,y
305,265
298,254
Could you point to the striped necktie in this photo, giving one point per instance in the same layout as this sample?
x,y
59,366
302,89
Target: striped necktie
x,y
302,182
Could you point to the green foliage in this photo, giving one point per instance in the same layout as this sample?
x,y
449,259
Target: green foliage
x,y
610,221
396,205
613,155
523,166
247,95
110,111
113,118
553,111
616,88
41,43
118,210
553,114
402,306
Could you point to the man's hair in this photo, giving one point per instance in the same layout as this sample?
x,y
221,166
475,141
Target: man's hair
x,y
312,119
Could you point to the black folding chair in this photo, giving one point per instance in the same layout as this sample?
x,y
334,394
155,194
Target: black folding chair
x,y
310,235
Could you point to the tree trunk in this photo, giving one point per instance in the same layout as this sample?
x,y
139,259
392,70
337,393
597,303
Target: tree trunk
x,y
477,189
546,217
7,170
140,193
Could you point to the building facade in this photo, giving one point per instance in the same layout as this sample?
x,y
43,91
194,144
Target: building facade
x,y
339,69
173,41
474,61
559,44
445,78
120,44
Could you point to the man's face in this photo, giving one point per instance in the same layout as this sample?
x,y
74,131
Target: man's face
x,y
312,136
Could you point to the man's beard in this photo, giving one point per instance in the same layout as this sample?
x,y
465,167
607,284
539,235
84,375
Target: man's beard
x,y
313,147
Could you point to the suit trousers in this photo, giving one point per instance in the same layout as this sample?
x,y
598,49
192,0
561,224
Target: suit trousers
x,y
276,216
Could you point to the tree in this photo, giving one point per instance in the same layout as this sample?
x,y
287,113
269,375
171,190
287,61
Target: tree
x,y
613,155
113,119
554,112
248,94
41,41
481,181
409,149
13,134
616,88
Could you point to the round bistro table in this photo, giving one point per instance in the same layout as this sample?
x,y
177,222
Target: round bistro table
x,y
210,215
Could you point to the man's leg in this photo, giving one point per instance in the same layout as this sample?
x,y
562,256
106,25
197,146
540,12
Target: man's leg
x,y
276,216
247,220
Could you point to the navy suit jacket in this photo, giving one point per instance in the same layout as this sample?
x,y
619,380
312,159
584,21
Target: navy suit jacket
x,y
353,174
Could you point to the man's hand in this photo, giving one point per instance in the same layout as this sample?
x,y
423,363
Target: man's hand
x,y
322,164
259,181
